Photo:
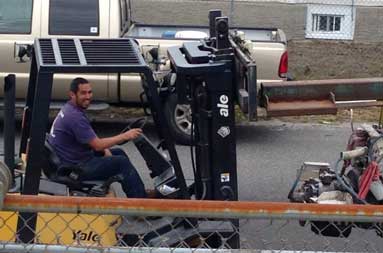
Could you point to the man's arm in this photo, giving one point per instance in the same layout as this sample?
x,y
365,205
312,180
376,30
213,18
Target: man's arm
x,y
100,144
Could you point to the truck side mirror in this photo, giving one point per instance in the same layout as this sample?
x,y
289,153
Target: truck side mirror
x,y
154,53
22,52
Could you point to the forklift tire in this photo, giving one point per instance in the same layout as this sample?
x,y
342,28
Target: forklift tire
x,y
178,117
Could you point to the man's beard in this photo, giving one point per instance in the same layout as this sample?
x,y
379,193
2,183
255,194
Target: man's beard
x,y
81,105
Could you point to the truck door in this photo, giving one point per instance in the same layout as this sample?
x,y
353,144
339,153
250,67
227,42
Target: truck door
x,y
19,25
73,18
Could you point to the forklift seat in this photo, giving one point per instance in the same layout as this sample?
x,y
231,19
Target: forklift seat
x,y
55,171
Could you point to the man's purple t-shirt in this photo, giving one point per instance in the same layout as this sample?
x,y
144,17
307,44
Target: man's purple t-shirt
x,y
70,134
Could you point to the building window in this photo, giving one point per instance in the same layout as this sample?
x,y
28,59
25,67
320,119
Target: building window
x,y
326,23
15,16
74,17
330,22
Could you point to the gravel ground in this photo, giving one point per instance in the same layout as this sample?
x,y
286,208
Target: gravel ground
x,y
324,59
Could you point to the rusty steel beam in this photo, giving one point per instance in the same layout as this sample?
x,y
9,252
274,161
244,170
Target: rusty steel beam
x,y
192,208
342,89
315,97
296,108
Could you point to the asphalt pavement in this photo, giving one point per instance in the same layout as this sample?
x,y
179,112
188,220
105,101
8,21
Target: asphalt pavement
x,y
268,154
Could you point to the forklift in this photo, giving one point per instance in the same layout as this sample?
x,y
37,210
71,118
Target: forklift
x,y
206,73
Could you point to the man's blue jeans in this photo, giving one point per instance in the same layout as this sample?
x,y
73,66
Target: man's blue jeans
x,y
104,167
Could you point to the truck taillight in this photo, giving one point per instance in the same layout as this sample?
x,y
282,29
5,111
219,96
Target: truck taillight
x,y
283,65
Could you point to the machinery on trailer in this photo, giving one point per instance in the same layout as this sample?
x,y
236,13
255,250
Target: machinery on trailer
x,y
355,179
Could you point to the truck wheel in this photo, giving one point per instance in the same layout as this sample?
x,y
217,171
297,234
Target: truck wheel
x,y
179,119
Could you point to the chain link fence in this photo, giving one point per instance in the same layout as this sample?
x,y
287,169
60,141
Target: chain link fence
x,y
311,19
76,224
326,39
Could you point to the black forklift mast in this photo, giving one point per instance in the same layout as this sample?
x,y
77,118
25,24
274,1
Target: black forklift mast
x,y
205,81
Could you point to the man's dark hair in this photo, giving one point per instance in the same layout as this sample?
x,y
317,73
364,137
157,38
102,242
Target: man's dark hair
x,y
76,82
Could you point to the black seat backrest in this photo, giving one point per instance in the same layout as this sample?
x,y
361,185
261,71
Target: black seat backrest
x,y
57,172
52,162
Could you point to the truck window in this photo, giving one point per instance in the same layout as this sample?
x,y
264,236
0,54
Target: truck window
x,y
125,15
15,16
74,17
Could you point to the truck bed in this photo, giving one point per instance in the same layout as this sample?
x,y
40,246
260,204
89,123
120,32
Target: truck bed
x,y
166,31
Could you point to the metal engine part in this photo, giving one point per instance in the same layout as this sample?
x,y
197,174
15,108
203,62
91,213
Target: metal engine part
x,y
318,183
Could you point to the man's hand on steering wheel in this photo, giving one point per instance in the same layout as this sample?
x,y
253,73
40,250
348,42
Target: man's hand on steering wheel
x,y
133,130
132,134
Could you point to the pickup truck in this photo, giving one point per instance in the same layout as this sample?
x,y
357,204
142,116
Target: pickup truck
x,y
21,21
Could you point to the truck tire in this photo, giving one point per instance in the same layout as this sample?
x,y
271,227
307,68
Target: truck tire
x,y
178,117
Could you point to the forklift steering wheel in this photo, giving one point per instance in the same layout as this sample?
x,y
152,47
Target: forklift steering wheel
x,y
137,123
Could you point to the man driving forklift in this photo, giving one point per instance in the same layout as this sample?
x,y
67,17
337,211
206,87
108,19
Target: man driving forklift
x,y
75,143
205,74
